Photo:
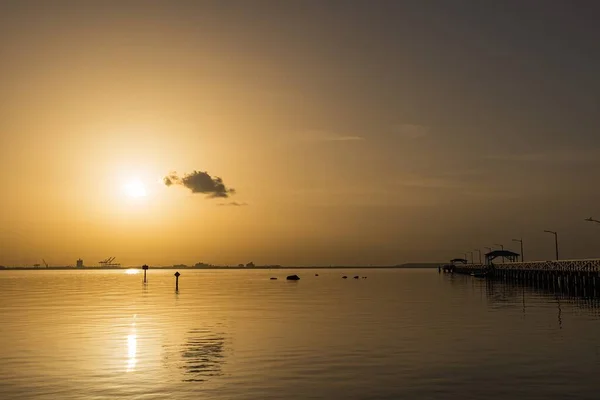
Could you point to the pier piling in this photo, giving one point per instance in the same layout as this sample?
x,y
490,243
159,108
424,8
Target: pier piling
x,y
572,277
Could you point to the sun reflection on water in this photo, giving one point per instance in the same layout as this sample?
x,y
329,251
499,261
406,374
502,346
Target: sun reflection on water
x,y
132,271
132,348
131,351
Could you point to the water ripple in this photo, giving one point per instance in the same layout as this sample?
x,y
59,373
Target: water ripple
x,y
239,335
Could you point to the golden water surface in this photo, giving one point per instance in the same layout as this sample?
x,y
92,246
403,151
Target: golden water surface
x,y
239,335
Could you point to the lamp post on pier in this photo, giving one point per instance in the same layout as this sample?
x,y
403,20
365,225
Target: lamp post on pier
x,y
471,253
520,241
555,241
502,247
479,251
489,250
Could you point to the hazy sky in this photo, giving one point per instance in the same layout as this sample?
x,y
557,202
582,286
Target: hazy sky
x,y
353,132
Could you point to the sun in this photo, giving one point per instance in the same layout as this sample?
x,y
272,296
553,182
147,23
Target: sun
x,y
135,189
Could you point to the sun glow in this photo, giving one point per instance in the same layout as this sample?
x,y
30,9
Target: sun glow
x,y
131,271
135,189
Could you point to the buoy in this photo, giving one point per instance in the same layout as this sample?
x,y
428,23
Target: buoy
x,y
293,278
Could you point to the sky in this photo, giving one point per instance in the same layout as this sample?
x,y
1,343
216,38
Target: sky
x,y
342,132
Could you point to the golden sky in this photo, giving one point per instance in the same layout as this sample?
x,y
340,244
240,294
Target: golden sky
x,y
357,133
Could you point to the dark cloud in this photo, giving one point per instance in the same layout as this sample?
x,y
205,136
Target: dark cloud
x,y
200,182
171,179
233,204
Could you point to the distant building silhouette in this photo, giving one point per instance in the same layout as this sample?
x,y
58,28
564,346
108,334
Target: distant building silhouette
x,y
250,265
80,263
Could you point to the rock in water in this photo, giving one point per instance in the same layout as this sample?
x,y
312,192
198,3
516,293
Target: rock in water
x,y
293,278
344,277
273,278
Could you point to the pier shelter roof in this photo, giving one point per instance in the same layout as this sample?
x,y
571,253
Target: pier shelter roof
x,y
460,260
509,255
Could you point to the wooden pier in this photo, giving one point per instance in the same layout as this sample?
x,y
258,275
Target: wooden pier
x,y
574,277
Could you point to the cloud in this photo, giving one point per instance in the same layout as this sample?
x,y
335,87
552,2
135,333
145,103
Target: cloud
x,y
327,136
200,182
171,179
551,156
432,183
411,131
343,139
232,204
451,178
494,194
517,157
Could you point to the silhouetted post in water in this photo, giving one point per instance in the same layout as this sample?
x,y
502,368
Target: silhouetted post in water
x,y
555,241
521,241
177,281
145,268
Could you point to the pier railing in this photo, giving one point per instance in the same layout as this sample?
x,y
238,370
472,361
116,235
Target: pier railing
x,y
573,277
585,265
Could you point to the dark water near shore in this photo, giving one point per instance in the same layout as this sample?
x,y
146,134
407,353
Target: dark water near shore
x,y
238,335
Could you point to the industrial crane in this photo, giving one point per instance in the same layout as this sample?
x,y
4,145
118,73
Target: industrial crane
x,y
109,262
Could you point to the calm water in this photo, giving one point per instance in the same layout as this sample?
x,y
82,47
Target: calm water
x,y
400,334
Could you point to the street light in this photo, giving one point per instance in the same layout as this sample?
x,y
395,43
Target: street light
x,y
520,241
502,247
555,241
479,251
489,249
471,253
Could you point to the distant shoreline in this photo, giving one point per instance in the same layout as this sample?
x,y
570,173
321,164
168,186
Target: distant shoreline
x,y
403,266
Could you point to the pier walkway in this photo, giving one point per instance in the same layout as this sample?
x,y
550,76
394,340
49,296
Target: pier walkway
x,y
572,276
584,265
